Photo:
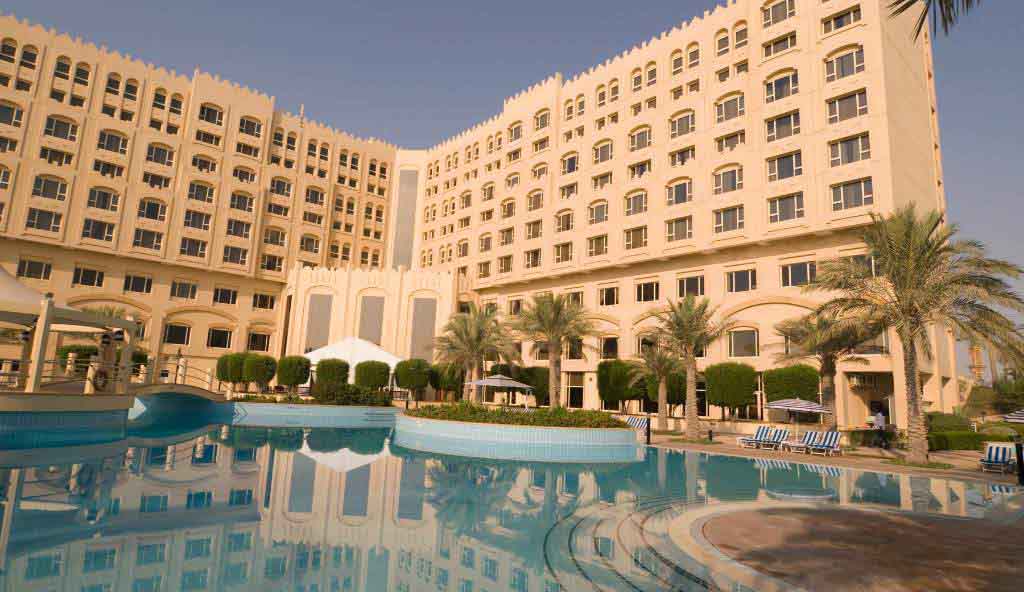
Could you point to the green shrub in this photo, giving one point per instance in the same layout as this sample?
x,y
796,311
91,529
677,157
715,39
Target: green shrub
x,y
446,378
292,371
1016,427
799,381
862,437
676,384
326,393
372,374
329,439
962,440
231,368
260,369
82,355
556,417
286,439
537,378
614,380
332,371
946,422
1009,395
980,401
730,384
1000,430
413,375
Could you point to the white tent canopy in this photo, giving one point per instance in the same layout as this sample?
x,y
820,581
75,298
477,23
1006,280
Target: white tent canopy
x,y
353,350
20,306
501,382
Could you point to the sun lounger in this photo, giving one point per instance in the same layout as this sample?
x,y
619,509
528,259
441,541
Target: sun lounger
x,y
998,457
775,439
802,445
828,445
752,441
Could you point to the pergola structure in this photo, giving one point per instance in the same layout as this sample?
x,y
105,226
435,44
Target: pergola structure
x,y
36,316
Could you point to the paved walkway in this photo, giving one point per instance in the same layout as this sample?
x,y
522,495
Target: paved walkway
x,y
845,549
965,462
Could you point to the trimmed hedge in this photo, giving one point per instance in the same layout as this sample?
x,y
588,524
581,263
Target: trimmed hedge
x,y
800,381
259,368
946,422
292,371
372,374
327,393
332,371
552,417
962,440
446,378
730,384
676,384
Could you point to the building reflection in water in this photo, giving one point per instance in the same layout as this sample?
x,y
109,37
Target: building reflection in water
x,y
342,510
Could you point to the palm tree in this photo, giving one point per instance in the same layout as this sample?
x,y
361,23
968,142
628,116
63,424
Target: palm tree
x,y
822,338
471,337
657,361
924,276
688,327
557,321
944,12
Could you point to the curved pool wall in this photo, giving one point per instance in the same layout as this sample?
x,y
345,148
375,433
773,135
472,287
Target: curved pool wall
x,y
517,442
176,408
42,429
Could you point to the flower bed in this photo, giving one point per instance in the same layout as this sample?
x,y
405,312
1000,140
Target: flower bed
x,y
543,417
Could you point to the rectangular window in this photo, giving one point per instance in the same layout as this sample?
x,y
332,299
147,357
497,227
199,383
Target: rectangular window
x,y
36,270
636,238
852,194
636,203
563,252
843,65
177,334
235,255
778,11
138,283
197,220
263,301
843,19
785,166
531,259
731,141
647,291
238,228
781,87
184,290
43,220
783,126
597,245
258,342
679,193
241,201
608,296
102,199
849,150
848,106
743,343
729,219
728,180
225,295
798,274
98,230
786,207
218,338
679,229
743,280
681,157
85,276
693,285
729,109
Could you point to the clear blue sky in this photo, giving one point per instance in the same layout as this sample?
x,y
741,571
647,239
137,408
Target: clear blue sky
x,y
416,72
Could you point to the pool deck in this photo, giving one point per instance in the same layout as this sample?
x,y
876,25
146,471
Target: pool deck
x,y
965,462
845,549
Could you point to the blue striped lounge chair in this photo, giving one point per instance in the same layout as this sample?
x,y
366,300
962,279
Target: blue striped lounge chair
x,y
998,457
802,445
775,440
828,444
759,436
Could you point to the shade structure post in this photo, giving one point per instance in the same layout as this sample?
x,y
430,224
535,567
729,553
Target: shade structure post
x,y
37,357
124,365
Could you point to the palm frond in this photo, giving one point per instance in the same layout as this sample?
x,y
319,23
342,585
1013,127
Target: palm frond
x,y
946,13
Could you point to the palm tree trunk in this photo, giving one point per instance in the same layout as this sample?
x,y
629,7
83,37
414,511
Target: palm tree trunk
x,y
555,377
917,430
467,389
662,403
692,417
478,373
828,392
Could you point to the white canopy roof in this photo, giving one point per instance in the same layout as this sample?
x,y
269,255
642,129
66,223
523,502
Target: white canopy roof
x,y
20,305
344,460
353,350
798,406
501,381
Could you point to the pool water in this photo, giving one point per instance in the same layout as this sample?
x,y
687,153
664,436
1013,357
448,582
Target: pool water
x,y
325,510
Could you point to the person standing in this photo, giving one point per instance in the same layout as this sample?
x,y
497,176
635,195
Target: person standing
x,y
882,441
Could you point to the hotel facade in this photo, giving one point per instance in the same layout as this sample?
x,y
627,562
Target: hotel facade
x,y
723,158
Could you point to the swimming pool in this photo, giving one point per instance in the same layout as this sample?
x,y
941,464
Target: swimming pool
x,y
323,510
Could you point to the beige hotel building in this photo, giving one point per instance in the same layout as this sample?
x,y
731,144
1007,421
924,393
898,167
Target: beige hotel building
x,y
723,157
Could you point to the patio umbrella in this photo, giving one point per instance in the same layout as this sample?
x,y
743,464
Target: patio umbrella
x,y
1015,417
798,406
502,382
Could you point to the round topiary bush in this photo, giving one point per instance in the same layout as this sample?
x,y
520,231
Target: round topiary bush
x,y
446,379
231,368
799,381
413,375
614,381
372,374
730,385
332,371
292,371
259,369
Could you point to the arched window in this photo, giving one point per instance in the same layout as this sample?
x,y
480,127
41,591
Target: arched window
x,y
781,85
29,55
597,212
50,187
541,119
651,73
177,103
635,203
62,68
200,191
250,126
487,192
103,198
11,114
152,209
281,186
163,154
722,42
315,196
676,59
508,208
325,151
728,178
113,84
569,110
739,34
637,78
82,73
679,191
511,180
131,90
244,174
570,163
601,95
692,55
581,104
8,50
309,243
602,151
112,141
211,113
275,236
613,90
534,200
640,138
729,107
485,242
292,141
564,221
5,178
515,131
682,123
844,62
160,99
